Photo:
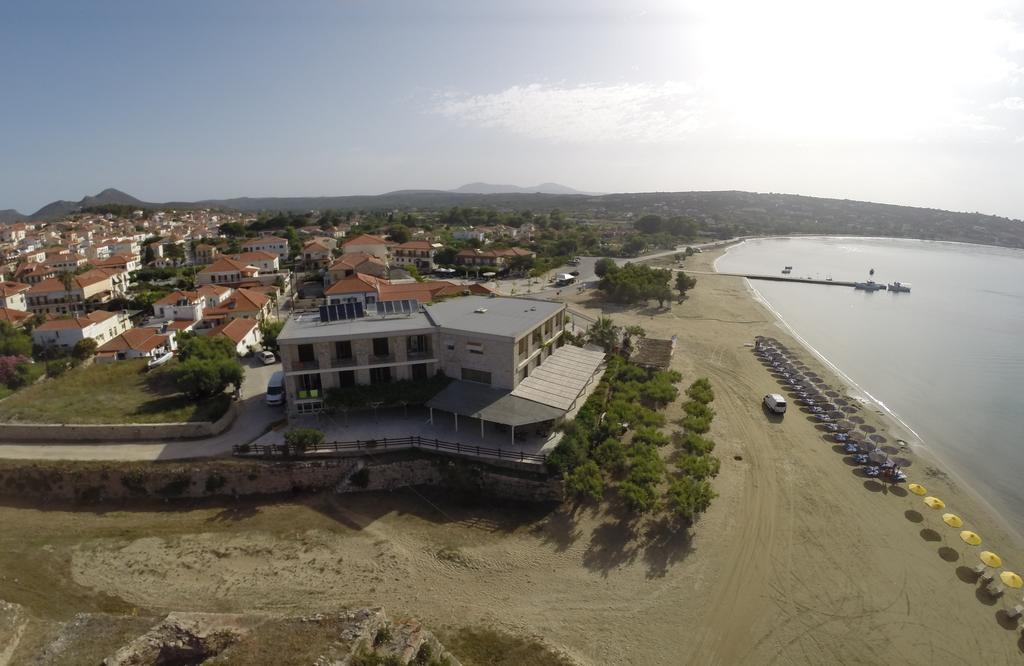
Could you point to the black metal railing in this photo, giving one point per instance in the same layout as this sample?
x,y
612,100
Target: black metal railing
x,y
386,444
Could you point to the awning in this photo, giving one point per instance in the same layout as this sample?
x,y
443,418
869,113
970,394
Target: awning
x,y
562,377
491,404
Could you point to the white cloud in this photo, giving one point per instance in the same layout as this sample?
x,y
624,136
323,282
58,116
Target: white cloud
x,y
1011,103
594,112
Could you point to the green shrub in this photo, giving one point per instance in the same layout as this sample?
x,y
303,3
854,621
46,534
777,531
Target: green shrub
x,y
611,455
134,480
214,482
699,410
300,439
697,424
639,497
688,497
698,466
178,484
382,636
586,481
698,445
646,435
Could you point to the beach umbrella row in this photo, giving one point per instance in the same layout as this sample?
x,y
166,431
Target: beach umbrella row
x,y
988,559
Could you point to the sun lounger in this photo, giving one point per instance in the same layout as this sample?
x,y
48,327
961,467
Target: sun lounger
x,y
988,575
1015,612
995,589
980,569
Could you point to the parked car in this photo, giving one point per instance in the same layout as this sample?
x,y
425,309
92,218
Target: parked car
x,y
775,403
275,389
268,357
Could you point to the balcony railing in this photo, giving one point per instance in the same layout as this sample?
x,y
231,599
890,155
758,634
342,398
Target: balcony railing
x,y
344,362
305,365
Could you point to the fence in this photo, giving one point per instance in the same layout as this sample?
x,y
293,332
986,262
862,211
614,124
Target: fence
x,y
384,444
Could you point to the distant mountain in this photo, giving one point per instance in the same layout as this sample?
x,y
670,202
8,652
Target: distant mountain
x,y
10,216
488,188
723,213
59,209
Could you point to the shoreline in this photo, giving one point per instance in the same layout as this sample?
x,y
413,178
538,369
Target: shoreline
x,y
918,446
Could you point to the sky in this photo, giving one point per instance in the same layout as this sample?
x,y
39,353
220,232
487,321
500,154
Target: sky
x,y
917,102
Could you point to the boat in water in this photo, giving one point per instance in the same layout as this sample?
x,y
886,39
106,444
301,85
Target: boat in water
x,y
899,287
870,285
787,270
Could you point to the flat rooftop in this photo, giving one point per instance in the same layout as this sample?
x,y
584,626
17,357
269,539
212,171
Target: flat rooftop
x,y
306,327
504,317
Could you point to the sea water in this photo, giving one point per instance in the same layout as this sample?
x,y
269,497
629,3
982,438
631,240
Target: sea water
x,y
947,358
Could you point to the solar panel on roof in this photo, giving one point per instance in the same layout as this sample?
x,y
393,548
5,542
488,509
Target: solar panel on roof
x,y
323,314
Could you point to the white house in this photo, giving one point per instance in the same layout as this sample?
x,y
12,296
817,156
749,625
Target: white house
x,y
100,326
245,333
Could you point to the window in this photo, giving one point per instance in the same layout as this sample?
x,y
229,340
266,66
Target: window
x,y
537,339
343,350
478,376
380,347
308,386
419,371
306,354
475,347
417,344
380,375
547,328
347,378
524,345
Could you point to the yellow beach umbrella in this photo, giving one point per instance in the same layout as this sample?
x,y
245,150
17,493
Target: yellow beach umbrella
x,y
917,489
970,538
952,520
934,502
990,559
1011,579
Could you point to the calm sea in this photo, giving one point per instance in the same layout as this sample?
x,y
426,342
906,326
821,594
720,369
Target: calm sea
x,y
947,359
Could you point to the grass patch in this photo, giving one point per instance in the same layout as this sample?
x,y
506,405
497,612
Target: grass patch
x,y
121,392
487,647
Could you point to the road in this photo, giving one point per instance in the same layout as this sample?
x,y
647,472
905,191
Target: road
x,y
254,417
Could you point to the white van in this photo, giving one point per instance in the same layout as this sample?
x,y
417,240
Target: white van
x,y
775,403
275,388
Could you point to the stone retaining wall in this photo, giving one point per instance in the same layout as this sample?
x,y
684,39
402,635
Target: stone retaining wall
x,y
130,432
95,482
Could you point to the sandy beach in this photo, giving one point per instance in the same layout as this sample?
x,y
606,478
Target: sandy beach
x,y
799,560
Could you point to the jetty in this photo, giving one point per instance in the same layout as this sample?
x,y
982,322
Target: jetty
x,y
786,278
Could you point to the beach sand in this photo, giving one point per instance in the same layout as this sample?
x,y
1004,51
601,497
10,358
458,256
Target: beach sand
x,y
799,560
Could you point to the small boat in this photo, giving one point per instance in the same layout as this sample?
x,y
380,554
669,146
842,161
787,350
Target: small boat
x,y
870,285
787,270
899,287
157,361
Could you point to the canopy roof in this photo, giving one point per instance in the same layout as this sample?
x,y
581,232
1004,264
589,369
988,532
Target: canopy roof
x,y
491,404
562,377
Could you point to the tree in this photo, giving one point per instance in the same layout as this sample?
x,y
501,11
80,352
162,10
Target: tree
x,y
684,283
294,244
84,349
603,266
269,330
648,224
205,348
634,283
14,342
633,246
204,378
586,481
604,333
688,497
399,233
175,251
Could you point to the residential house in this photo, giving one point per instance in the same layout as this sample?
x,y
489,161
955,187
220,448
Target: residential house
x,y
99,325
205,253
267,262
66,262
316,255
268,243
244,333
144,342
125,263
367,244
12,233
356,262
95,286
34,273
227,271
368,290
497,257
16,318
180,305
12,295
469,233
242,304
418,253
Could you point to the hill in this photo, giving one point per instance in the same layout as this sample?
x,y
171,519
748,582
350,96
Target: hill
x,y
726,213
488,188
9,216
